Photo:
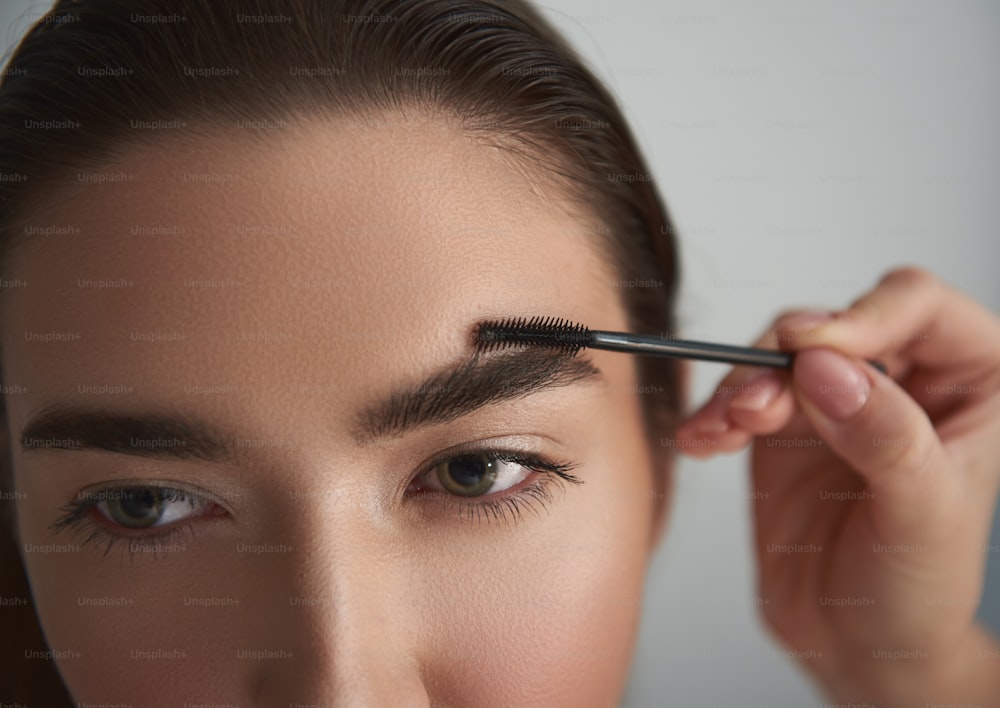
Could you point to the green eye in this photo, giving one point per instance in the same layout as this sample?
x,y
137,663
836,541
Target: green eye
x,y
137,508
468,475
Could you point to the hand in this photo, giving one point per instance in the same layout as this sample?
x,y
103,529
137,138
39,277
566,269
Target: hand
x,y
874,494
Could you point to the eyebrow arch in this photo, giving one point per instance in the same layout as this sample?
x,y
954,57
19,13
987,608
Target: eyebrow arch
x,y
478,382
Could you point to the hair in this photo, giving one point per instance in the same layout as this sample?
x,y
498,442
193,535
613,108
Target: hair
x,y
88,69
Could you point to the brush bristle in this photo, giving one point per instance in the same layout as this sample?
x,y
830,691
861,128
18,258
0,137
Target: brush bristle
x,y
550,332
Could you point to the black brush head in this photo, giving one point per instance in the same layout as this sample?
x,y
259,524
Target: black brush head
x,y
550,332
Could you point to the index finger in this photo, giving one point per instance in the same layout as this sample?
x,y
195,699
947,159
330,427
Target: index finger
x,y
914,313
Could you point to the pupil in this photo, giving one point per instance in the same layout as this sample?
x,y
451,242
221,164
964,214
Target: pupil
x,y
140,504
468,471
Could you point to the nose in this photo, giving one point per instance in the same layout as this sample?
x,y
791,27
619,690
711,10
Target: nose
x,y
340,604
331,668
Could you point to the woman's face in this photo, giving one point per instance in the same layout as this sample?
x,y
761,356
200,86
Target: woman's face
x,y
262,346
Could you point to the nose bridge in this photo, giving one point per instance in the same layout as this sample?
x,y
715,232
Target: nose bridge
x,y
344,609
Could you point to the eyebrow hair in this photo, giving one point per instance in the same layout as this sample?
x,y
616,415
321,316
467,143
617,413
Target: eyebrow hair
x,y
154,435
444,396
476,383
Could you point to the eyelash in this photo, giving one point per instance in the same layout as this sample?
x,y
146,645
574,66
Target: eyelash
x,y
76,515
508,507
502,509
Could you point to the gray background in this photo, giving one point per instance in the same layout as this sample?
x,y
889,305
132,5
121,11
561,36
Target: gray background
x,y
803,148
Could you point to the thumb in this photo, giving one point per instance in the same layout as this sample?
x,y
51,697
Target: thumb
x,y
884,436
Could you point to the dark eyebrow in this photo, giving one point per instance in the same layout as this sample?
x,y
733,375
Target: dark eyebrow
x,y
154,435
477,382
442,397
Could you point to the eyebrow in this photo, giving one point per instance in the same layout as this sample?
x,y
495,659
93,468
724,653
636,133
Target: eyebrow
x,y
155,435
447,395
477,383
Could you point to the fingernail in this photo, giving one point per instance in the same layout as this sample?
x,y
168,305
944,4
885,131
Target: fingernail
x,y
832,382
805,321
758,393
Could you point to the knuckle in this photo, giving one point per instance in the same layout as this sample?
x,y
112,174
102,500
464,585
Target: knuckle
x,y
874,306
910,276
788,312
865,307
912,458
772,336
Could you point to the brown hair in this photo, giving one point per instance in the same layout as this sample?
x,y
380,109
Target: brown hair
x,y
89,68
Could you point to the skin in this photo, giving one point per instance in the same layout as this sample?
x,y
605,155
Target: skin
x,y
888,515
424,232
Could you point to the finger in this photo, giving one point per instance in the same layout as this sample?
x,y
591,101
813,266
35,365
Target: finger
x,y
713,416
910,311
877,429
704,445
743,422
765,404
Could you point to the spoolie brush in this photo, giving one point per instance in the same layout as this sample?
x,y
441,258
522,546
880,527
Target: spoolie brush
x,y
570,337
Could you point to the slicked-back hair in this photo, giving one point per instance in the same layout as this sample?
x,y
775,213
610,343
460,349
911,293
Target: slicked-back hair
x,y
89,71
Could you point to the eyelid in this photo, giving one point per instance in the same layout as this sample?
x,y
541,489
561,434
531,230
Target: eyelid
x,y
532,462
160,483
509,443
87,501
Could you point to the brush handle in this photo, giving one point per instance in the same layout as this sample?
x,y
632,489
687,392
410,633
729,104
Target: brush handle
x,y
706,351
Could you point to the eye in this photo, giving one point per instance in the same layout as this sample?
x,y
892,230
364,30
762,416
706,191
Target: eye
x,y
477,474
471,483
115,516
147,507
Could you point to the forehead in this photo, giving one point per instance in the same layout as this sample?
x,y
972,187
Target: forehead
x,y
322,256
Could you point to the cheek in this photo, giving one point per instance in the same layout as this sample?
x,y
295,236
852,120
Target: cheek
x,y
568,641
120,640
548,618
118,626
551,617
